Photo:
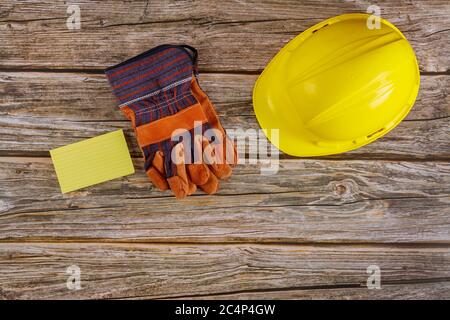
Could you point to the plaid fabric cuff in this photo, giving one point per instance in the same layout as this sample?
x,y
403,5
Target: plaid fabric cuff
x,y
150,73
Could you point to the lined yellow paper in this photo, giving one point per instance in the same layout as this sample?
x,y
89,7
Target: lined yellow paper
x,y
92,161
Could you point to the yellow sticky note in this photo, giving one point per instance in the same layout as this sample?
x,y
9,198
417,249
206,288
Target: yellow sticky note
x,y
92,161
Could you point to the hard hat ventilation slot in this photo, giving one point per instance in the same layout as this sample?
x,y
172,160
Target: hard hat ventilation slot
x,y
374,133
326,25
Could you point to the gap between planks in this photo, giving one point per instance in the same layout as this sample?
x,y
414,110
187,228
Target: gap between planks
x,y
80,71
44,155
255,244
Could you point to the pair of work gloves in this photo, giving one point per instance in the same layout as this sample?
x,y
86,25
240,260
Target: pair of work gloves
x,y
177,128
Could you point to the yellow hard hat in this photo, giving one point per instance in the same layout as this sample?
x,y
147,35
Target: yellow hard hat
x,y
337,86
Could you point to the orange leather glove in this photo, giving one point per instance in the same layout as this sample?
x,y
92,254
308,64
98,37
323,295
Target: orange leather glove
x,y
154,91
221,156
225,157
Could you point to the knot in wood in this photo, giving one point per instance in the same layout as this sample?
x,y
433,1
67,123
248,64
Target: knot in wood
x,y
344,189
340,189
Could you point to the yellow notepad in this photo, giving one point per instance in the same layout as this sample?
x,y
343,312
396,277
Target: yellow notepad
x,y
92,161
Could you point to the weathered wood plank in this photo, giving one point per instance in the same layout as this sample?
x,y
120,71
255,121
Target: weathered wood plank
x,y
231,35
162,271
25,136
422,291
41,111
88,97
306,201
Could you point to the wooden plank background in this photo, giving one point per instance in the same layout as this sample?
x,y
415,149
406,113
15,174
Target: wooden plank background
x,y
310,231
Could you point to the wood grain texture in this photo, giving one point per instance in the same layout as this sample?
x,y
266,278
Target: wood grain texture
x,y
168,271
308,232
41,111
307,201
231,35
